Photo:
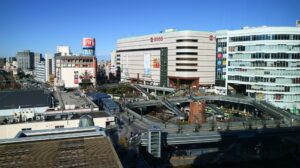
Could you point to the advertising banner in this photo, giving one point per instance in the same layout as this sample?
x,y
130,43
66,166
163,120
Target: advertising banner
x,y
75,77
155,62
88,42
220,55
147,68
219,62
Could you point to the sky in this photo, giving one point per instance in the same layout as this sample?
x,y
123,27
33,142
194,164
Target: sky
x,y
41,25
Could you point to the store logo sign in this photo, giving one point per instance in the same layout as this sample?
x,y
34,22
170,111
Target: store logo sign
x,y
156,39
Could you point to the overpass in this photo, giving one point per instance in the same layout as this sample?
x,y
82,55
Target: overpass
x,y
170,139
157,88
261,105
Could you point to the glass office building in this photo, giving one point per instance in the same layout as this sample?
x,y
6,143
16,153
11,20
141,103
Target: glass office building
x,y
263,63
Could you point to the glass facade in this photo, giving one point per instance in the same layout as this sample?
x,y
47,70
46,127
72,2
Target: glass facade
x,y
270,69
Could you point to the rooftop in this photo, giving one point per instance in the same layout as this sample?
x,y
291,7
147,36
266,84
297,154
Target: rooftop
x,y
24,99
73,97
165,33
65,148
75,57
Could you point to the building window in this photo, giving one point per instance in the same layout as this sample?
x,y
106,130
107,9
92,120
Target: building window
x,y
187,40
186,47
26,129
186,53
186,70
186,64
59,126
186,59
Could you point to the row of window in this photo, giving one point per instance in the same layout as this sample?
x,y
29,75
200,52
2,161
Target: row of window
x,y
187,40
280,47
221,44
186,47
265,56
264,64
186,70
283,97
257,79
77,65
265,37
273,88
186,53
186,64
279,72
28,129
77,60
186,59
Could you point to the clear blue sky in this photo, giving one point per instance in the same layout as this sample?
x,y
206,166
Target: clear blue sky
x,y
41,25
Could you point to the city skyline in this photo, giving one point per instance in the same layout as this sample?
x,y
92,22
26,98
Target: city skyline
x,y
64,23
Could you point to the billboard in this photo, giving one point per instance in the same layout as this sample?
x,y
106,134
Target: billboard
x,y
72,77
75,77
155,62
147,68
88,42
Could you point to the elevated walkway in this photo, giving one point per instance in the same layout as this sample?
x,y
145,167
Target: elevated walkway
x,y
215,137
261,105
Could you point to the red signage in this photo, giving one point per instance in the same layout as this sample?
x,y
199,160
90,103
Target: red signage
x,y
220,55
156,39
88,42
211,37
75,77
155,63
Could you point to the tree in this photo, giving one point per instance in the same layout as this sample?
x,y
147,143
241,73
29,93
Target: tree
x,y
249,122
228,125
277,123
213,124
264,124
123,143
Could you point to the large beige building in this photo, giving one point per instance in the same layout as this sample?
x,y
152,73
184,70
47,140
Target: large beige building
x,y
171,58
